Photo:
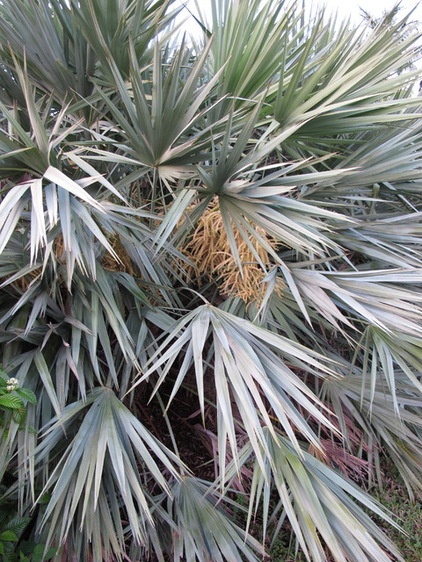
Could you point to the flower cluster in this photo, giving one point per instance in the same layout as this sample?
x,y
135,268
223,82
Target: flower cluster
x,y
12,384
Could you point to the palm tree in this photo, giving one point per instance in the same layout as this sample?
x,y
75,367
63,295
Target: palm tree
x,y
210,260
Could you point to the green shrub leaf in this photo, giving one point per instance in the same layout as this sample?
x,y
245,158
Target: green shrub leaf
x,y
11,402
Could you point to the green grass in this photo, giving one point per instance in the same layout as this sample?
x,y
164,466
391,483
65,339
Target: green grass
x,y
409,515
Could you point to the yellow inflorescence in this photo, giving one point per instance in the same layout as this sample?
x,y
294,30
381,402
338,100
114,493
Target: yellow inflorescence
x,y
209,250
